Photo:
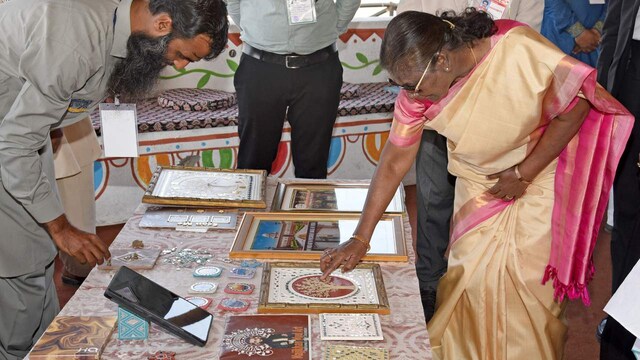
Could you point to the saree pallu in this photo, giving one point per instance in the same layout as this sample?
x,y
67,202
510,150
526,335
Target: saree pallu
x,y
492,303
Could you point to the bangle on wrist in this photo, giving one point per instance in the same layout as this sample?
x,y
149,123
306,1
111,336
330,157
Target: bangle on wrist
x,y
362,240
520,178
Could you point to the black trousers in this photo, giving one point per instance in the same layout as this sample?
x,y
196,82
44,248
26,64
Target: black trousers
x,y
435,187
307,97
625,239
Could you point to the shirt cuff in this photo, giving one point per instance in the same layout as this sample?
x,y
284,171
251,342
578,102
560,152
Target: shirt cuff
x,y
576,29
46,209
598,26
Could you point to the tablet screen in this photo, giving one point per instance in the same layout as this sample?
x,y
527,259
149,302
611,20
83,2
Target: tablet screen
x,y
140,292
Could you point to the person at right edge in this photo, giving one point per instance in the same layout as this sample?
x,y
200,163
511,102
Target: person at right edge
x,y
619,73
290,70
534,142
575,26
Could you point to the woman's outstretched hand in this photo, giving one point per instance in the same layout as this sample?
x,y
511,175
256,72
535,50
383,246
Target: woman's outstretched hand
x,y
347,254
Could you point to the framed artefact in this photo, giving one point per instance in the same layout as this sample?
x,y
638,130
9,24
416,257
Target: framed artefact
x,y
297,288
277,337
343,352
194,186
188,218
361,327
304,236
328,197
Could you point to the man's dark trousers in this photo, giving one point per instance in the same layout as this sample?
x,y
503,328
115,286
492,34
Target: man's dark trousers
x,y
435,188
307,97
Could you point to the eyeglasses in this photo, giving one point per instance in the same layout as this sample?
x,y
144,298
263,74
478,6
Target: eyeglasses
x,y
414,89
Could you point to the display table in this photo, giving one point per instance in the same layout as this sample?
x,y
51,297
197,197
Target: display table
x,y
405,333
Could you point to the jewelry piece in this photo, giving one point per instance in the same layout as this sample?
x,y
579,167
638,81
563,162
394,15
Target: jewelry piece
x,y
131,257
251,263
520,178
239,288
362,240
508,198
229,304
451,25
203,288
244,273
200,301
207,271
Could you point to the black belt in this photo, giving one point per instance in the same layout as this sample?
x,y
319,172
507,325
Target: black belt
x,y
291,61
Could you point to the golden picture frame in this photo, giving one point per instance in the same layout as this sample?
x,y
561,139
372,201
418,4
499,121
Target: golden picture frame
x,y
207,187
304,236
289,287
304,196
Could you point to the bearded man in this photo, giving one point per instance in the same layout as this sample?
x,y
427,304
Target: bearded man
x,y
58,60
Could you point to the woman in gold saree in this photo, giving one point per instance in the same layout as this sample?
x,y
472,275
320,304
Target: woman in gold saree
x,y
533,142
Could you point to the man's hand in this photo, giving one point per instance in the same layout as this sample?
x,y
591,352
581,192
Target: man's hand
x,y
588,41
86,248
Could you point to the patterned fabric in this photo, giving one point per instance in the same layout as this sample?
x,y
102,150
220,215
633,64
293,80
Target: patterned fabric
x,y
196,99
373,99
152,117
349,91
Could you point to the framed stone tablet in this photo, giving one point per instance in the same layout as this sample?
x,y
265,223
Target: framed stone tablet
x,y
193,186
304,236
297,288
328,197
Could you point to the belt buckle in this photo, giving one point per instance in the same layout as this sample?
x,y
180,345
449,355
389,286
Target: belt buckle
x,y
291,57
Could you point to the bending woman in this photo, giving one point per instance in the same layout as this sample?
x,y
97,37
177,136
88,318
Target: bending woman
x,y
534,143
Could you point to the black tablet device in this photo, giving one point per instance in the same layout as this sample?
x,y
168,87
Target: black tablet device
x,y
154,303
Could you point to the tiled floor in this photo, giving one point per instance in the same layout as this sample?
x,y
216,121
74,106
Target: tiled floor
x,y
581,344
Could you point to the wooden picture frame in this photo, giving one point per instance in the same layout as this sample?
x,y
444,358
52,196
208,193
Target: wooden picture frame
x,y
181,186
304,236
304,196
289,287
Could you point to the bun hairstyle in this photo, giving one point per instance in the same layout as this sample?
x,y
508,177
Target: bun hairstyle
x,y
470,25
413,38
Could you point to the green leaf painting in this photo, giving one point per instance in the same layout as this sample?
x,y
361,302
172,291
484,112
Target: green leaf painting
x,y
362,58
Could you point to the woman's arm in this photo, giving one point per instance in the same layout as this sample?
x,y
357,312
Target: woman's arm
x,y
395,161
555,138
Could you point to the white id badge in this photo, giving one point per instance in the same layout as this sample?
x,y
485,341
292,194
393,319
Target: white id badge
x,y
497,8
301,11
119,130
596,2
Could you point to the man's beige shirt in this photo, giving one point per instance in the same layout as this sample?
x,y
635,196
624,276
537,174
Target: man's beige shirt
x,y
56,57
